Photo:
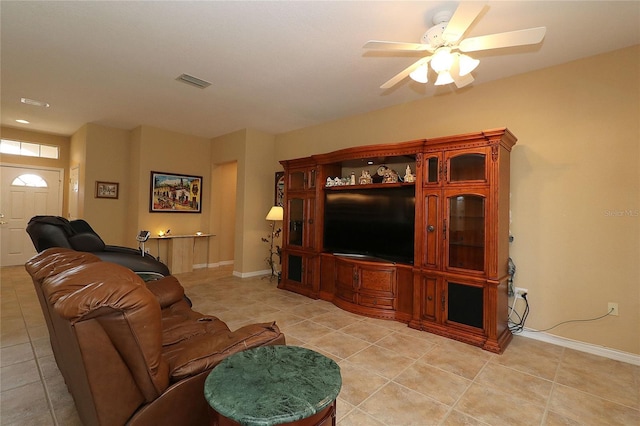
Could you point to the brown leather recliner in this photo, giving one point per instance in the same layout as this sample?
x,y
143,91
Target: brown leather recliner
x,y
132,352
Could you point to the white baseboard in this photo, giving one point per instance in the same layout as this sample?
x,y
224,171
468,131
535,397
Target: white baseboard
x,y
251,274
213,265
582,346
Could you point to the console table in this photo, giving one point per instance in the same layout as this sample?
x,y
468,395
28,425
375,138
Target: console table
x,y
274,385
180,250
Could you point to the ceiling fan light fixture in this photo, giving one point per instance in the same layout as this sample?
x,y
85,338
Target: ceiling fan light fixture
x,y
467,64
444,77
442,60
420,74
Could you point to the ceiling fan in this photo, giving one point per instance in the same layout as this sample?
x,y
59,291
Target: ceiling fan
x,y
444,38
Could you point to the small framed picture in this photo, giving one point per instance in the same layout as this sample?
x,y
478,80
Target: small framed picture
x,y
107,189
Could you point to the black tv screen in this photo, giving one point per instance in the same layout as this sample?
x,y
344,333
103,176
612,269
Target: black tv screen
x,y
375,222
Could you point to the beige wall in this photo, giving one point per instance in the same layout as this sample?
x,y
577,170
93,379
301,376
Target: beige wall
x,y
107,160
574,169
165,151
254,155
224,178
78,158
128,157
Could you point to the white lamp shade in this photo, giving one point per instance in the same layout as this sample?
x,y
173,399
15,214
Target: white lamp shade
x,y
420,73
276,213
444,77
467,64
442,60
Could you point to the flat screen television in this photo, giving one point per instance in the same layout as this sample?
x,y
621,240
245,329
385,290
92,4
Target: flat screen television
x,y
373,222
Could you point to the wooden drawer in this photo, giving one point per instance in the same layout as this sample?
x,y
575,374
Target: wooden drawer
x,y
376,301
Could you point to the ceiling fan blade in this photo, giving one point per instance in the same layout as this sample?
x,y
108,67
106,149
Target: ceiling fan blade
x,y
395,45
463,17
465,80
403,74
508,39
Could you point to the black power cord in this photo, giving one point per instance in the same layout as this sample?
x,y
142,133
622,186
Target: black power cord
x,y
518,327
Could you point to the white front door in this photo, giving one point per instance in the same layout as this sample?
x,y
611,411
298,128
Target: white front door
x,y
25,192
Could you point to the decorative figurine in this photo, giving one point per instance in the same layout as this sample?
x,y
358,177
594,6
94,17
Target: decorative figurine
x,y
365,178
337,181
390,176
409,177
329,182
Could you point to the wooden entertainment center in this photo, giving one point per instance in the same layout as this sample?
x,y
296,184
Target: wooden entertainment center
x,y
455,284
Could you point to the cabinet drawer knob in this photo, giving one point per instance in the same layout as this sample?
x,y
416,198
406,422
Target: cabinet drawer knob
x,y
430,228
429,298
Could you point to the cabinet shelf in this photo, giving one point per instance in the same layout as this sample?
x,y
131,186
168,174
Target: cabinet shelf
x,y
368,186
463,244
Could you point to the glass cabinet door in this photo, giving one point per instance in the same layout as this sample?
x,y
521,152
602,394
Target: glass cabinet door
x,y
433,169
312,179
295,268
302,179
466,233
467,165
296,180
465,304
296,221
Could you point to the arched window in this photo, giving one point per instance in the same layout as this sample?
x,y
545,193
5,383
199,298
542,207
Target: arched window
x,y
29,180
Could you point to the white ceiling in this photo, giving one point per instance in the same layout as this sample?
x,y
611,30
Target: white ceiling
x,y
275,65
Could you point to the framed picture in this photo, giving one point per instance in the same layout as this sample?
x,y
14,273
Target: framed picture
x,y
175,193
107,189
279,189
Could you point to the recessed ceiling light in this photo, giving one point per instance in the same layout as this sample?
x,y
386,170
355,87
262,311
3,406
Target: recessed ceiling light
x,y
34,102
22,121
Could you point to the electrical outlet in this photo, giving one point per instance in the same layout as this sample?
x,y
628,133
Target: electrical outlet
x,y
519,291
612,308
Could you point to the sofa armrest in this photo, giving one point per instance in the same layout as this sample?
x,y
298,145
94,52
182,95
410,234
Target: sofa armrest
x,y
203,352
167,290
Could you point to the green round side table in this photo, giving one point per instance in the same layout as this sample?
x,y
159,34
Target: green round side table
x,y
274,385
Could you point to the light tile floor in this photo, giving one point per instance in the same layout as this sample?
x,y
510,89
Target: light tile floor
x,y
392,375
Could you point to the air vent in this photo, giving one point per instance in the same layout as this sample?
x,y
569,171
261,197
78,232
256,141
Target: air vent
x,y
193,81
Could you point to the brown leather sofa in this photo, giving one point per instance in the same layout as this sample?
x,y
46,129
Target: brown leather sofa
x,y
132,352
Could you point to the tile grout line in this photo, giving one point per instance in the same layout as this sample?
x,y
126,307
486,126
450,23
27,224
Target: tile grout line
x,y
35,358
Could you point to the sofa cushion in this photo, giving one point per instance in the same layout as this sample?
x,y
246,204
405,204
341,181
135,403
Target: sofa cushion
x,y
180,323
204,351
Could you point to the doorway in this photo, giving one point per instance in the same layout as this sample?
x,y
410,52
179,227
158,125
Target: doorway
x,y
223,212
25,192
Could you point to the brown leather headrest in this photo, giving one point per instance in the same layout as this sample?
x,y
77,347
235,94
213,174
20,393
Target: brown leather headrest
x,y
55,260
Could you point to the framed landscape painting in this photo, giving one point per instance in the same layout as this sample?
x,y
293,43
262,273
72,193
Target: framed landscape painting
x,y
175,193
